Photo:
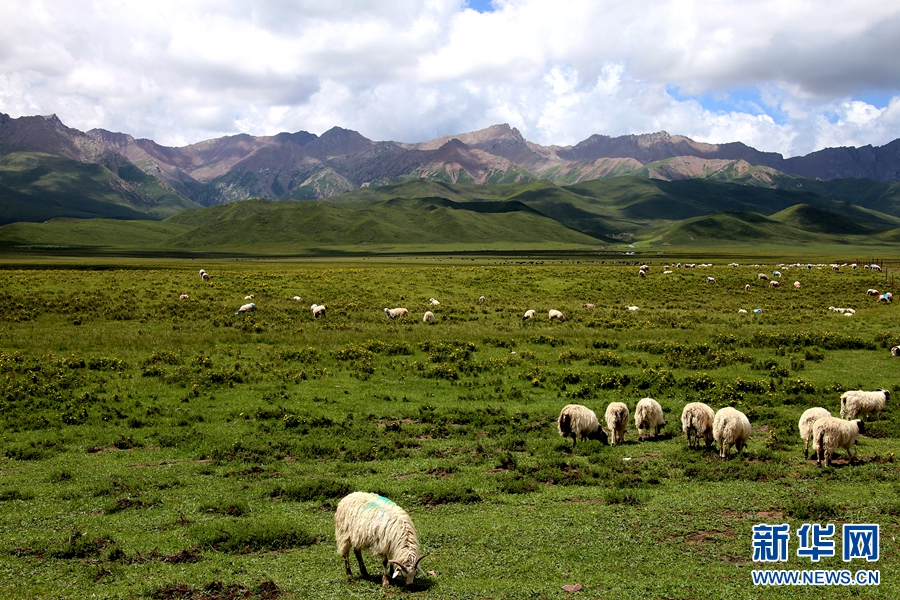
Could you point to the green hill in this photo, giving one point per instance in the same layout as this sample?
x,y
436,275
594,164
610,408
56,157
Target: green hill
x,y
812,219
733,227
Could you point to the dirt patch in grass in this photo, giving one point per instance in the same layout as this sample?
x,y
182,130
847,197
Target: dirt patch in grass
x,y
217,590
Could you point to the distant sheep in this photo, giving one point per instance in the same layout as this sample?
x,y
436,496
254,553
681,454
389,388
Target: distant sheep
x,y
807,420
872,292
588,305
183,297
577,421
710,280
204,276
396,313
297,298
731,427
429,317
886,297
555,314
632,308
774,284
648,416
617,422
859,404
642,273
895,351
365,521
797,284
831,433
762,277
747,287
529,314
434,302
742,311
318,312
246,308
696,422
249,297
481,299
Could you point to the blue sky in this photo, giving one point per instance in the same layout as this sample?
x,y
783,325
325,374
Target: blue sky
x,y
788,77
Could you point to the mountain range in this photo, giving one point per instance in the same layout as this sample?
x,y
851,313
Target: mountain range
x,y
48,169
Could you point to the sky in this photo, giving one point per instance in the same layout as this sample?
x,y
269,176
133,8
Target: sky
x,y
788,76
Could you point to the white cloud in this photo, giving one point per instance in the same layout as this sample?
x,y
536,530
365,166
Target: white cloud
x,y
559,70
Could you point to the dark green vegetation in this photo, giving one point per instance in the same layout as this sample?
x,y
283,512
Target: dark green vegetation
x,y
166,448
426,215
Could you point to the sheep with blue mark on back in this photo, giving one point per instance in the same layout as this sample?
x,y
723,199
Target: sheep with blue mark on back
x,y
365,521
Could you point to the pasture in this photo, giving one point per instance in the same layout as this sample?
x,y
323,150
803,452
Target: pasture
x,y
154,447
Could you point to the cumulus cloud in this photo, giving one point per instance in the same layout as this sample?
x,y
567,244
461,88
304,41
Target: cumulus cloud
x,y
790,77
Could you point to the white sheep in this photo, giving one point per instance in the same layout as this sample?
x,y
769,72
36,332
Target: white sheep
x,y
434,302
617,422
696,421
204,276
246,308
317,311
429,317
202,272
742,311
710,280
577,421
747,287
589,305
249,297
774,284
555,314
529,314
183,297
648,415
807,420
642,273
481,299
297,298
895,351
872,292
365,521
632,308
762,277
831,433
859,404
731,427
396,313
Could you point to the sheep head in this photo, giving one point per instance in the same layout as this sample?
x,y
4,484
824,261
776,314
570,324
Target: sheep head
x,y
860,426
408,572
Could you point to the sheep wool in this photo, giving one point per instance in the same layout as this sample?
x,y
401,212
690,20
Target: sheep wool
x,y
577,421
860,404
396,313
831,433
365,521
529,314
648,416
555,314
807,420
731,427
429,317
246,308
617,422
696,422
318,311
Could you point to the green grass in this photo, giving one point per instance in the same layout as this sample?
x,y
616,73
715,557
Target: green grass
x,y
153,445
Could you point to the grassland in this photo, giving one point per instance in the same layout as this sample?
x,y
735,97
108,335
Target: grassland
x,y
162,448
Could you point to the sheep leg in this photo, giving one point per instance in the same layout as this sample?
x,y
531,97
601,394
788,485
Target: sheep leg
x,y
362,565
385,580
347,566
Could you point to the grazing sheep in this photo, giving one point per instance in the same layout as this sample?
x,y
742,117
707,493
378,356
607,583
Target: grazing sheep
x,y
588,306
648,415
731,427
872,292
807,420
529,314
183,297
831,433
742,311
885,297
429,317
763,277
577,421
555,314
617,422
204,276
747,287
632,308
859,404
297,298
202,273
710,280
365,521
317,311
774,284
642,273
776,273
434,302
895,351
797,284
696,421
246,308
481,299
250,297
396,313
